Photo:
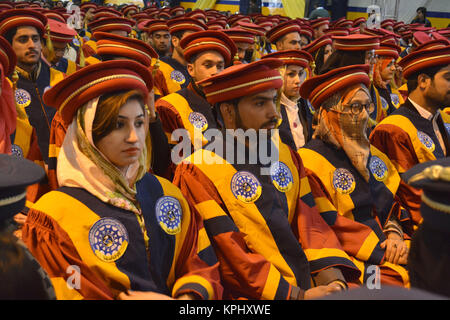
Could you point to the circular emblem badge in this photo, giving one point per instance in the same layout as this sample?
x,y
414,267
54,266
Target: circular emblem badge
x,y
281,176
198,120
245,187
76,42
17,150
378,168
108,239
426,140
22,97
177,76
384,103
343,181
168,214
447,127
395,99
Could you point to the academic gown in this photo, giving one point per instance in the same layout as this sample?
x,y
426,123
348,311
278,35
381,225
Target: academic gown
x,y
71,229
363,204
266,230
408,139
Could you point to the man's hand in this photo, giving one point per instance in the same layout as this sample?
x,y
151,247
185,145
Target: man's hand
x,y
142,295
321,291
396,249
20,219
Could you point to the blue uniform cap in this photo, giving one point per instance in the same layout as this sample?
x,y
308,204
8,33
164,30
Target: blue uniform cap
x,y
433,177
16,174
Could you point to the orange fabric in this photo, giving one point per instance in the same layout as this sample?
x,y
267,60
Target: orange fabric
x,y
230,247
88,50
159,81
244,271
400,151
58,131
42,235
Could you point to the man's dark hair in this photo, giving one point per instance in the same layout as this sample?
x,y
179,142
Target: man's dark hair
x,y
178,34
12,32
423,10
216,110
412,82
193,58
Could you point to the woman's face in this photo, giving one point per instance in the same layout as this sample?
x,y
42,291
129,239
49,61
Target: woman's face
x,y
388,73
124,144
327,52
293,78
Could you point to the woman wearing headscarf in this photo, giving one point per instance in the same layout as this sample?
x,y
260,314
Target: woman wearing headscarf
x,y
114,47
385,97
296,116
112,227
360,180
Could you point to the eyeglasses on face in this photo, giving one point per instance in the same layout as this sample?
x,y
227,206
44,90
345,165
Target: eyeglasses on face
x,y
357,107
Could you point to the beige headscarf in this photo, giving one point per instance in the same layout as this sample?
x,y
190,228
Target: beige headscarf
x,y
346,131
381,64
82,165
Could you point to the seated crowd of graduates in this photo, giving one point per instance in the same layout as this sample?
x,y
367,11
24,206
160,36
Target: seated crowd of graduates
x,y
96,108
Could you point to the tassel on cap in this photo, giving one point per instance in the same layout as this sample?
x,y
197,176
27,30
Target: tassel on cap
x,y
82,60
49,45
236,59
255,50
312,65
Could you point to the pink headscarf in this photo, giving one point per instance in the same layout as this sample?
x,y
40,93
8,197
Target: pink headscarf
x,y
8,113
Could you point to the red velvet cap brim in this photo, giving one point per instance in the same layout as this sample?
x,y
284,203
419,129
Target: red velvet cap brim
x,y
319,88
95,80
243,80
